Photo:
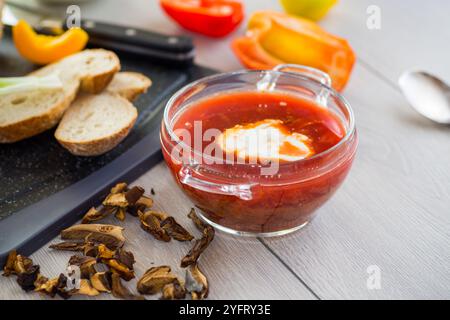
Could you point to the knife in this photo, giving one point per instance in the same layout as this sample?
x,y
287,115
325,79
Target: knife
x,y
172,49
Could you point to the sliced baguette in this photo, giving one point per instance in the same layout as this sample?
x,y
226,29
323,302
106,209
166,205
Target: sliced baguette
x,y
26,114
129,84
94,124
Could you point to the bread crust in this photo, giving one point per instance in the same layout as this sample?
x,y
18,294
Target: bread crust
x,y
36,124
97,146
131,93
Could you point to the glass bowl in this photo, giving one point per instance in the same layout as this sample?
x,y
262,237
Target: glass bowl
x,y
239,198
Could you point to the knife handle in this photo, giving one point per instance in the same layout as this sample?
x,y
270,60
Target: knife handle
x,y
136,37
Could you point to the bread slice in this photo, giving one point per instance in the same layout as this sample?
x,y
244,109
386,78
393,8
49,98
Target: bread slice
x,y
129,85
94,124
26,114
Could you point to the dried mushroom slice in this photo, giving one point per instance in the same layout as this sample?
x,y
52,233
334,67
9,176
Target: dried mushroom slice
x,y
160,215
133,195
175,230
155,279
53,286
125,257
22,264
144,201
16,264
27,278
86,289
121,292
142,204
198,223
104,253
196,283
9,267
109,235
68,246
95,215
86,265
123,271
120,187
151,224
40,280
199,246
116,200
101,281
120,214
120,261
173,291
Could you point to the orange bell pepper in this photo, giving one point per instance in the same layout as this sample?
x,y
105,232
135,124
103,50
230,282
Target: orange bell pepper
x,y
273,38
43,49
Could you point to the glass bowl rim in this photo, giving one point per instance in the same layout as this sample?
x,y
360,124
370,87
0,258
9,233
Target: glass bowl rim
x,y
351,121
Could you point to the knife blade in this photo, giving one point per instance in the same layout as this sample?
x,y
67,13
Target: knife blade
x,y
173,49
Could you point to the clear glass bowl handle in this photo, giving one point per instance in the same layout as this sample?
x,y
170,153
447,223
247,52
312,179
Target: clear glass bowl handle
x,y
268,82
242,191
310,72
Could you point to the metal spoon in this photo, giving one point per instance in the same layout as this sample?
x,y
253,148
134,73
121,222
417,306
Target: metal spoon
x,y
427,94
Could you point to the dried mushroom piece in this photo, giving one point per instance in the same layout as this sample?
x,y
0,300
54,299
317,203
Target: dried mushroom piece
x,y
86,289
142,204
199,246
86,265
198,223
40,280
68,246
121,292
151,224
121,261
22,264
27,278
95,215
116,200
160,215
109,235
196,283
144,201
120,187
16,264
53,286
28,275
155,279
133,195
125,257
175,230
101,281
104,253
91,249
124,272
120,214
9,267
173,291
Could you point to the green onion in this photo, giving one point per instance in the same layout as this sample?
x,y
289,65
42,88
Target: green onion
x,y
29,83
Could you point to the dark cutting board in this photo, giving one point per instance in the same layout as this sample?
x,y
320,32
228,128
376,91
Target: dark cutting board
x,y
43,188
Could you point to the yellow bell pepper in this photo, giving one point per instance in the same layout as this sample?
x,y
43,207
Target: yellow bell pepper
x,y
273,38
43,49
311,9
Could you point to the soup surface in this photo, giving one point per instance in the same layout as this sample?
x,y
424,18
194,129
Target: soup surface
x,y
262,126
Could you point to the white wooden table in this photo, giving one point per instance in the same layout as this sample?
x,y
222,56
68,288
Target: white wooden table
x,y
393,212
